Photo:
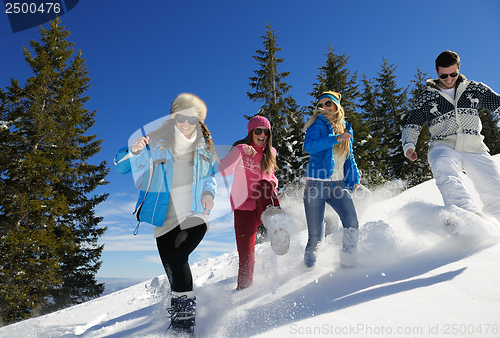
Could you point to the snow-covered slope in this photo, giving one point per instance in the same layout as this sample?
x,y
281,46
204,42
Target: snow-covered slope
x,y
414,279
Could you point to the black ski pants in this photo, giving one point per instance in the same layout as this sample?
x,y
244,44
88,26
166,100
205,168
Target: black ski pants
x,y
175,247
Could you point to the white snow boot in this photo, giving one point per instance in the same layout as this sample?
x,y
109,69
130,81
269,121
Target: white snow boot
x,y
348,259
273,218
348,255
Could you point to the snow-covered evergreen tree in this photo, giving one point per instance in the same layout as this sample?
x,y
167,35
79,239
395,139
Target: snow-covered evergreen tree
x,y
335,75
419,171
48,248
491,130
384,106
282,111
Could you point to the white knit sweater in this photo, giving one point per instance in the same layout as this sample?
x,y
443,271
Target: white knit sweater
x,y
452,122
179,205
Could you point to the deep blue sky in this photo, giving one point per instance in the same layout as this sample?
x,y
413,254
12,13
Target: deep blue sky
x,y
142,54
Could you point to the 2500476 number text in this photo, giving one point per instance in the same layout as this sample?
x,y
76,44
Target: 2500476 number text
x,y
25,8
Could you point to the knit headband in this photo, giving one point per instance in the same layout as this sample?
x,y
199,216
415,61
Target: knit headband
x,y
334,96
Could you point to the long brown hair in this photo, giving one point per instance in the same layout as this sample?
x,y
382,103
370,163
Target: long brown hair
x,y
268,162
163,137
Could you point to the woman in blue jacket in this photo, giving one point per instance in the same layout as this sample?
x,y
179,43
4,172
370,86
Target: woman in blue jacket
x,y
177,192
331,175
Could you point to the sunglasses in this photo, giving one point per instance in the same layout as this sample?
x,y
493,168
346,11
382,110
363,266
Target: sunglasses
x,y
192,120
259,131
327,104
444,76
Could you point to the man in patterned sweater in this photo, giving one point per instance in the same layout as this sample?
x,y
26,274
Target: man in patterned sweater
x,y
449,106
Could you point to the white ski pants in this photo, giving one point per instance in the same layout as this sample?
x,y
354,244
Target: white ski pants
x,y
446,165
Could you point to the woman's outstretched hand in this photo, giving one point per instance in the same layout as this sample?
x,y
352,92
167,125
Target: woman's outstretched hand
x,y
249,150
344,137
139,144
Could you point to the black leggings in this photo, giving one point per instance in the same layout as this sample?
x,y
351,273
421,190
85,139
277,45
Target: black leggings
x,y
175,247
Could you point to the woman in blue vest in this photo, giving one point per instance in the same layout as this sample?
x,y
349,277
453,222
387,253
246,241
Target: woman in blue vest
x,y
176,194
332,174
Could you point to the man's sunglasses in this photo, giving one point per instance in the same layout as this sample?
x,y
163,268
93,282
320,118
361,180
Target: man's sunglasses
x,y
259,131
192,120
327,104
444,76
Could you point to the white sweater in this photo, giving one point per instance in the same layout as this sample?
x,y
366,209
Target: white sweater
x,y
452,122
179,205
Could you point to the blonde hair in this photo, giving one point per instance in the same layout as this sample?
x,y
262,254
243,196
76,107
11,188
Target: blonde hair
x,y
338,126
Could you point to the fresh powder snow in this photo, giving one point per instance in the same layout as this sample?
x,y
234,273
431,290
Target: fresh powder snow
x,y
415,278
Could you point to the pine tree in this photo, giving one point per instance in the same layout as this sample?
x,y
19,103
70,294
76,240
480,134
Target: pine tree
x,y
491,130
385,122
370,159
292,159
48,250
335,75
419,171
282,111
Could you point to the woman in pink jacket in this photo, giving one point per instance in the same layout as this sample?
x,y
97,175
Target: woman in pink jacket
x,y
253,161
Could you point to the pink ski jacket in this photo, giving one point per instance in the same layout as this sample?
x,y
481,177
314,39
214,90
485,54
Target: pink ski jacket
x,y
247,174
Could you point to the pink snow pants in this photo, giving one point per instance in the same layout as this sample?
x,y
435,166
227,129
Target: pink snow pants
x,y
446,164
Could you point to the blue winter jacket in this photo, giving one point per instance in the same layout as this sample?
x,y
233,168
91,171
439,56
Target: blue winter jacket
x,y
156,180
319,141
